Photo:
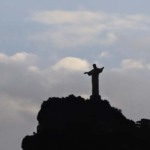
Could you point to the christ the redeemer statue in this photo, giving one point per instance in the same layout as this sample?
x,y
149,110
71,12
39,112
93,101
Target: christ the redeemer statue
x,y
95,79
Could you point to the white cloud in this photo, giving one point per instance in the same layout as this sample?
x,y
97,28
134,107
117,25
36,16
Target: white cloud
x,y
77,28
109,39
73,36
148,66
80,28
13,107
62,17
92,17
70,37
34,69
3,57
21,57
105,54
137,21
71,64
132,64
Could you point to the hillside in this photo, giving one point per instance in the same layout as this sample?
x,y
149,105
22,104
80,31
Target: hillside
x,y
75,123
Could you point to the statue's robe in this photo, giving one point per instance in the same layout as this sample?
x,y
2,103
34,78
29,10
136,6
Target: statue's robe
x,y
95,80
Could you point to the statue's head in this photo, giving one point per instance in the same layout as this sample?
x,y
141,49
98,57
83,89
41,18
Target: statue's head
x,y
94,66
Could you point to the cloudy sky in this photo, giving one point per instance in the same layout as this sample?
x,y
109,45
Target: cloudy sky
x,y
45,46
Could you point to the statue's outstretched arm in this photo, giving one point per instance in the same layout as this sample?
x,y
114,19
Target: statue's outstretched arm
x,y
89,73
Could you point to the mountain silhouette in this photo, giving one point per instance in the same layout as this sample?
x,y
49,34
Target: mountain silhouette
x,y
73,123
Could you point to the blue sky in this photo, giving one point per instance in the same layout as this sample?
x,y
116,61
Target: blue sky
x,y
45,46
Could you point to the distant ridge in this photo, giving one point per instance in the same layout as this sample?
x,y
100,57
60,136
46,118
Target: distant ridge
x,y
75,123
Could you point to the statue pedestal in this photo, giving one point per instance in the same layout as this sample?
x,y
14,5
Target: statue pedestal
x,y
95,97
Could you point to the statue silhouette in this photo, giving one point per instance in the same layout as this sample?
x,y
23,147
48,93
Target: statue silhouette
x,y
95,79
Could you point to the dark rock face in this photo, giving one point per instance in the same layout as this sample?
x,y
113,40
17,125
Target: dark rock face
x,y
75,123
